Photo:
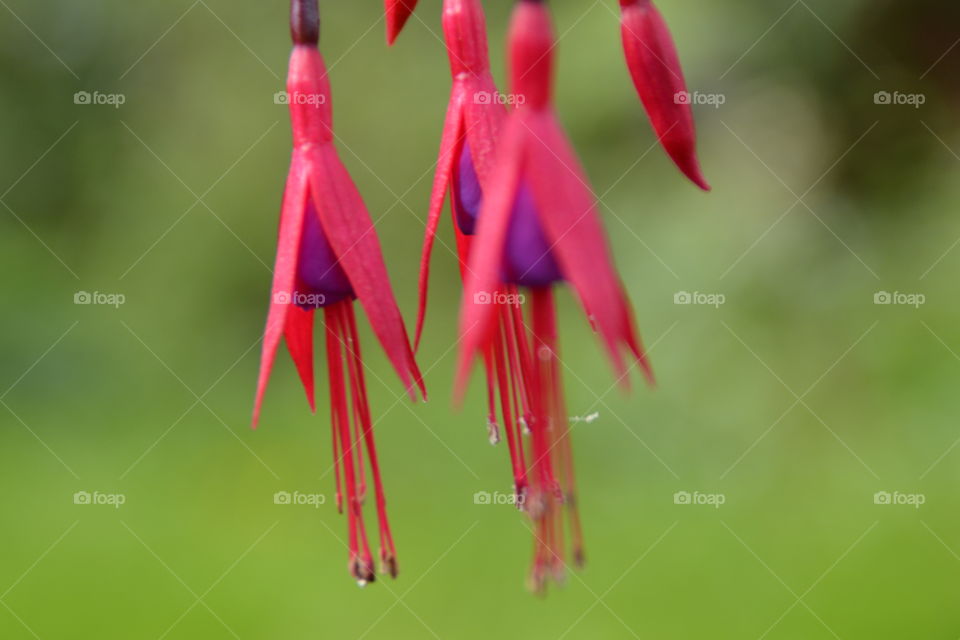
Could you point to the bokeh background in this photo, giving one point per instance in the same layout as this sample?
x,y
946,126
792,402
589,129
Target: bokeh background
x,y
797,400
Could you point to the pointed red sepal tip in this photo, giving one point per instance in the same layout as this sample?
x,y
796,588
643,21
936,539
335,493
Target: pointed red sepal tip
x,y
298,335
658,77
398,12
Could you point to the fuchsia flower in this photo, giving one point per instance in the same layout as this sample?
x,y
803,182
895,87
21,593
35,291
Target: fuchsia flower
x,y
473,122
398,12
655,68
536,225
465,169
328,255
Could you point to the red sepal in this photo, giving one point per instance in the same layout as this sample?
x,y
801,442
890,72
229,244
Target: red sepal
x,y
655,68
350,231
284,271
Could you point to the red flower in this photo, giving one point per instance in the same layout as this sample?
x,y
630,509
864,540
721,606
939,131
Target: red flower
x,y
398,12
327,256
655,68
537,226
474,118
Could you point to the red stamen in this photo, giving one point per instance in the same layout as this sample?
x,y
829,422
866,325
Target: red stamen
x,y
361,565
388,553
513,443
336,465
492,428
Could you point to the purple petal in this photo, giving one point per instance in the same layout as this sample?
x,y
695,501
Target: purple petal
x,y
467,194
528,259
320,279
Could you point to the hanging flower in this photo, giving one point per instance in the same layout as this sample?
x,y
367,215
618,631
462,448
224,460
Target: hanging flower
x,y
398,12
655,68
328,256
475,115
537,226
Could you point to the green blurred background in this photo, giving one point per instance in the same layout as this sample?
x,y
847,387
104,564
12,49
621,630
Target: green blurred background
x,y
798,399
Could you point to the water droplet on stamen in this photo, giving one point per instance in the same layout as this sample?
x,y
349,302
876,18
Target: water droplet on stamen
x,y
494,433
524,425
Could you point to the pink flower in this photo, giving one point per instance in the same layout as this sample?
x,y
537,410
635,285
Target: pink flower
x,y
328,255
465,169
465,166
537,226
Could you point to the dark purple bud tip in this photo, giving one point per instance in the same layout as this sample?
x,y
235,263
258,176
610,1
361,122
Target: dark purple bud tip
x,y
362,572
304,22
389,565
579,558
